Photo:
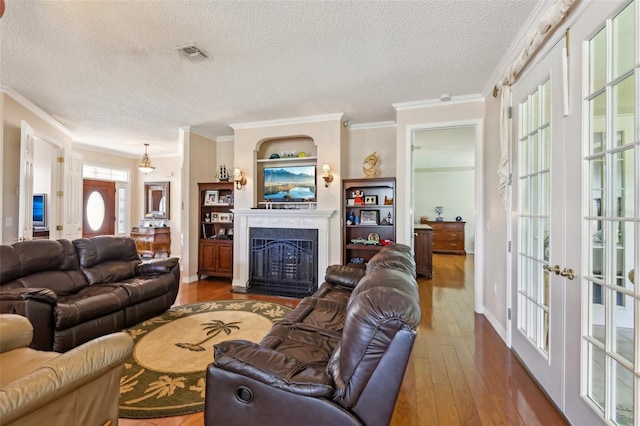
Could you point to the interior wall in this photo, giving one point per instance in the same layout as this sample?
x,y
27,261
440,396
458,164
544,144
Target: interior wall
x,y
364,141
495,226
12,115
200,156
454,189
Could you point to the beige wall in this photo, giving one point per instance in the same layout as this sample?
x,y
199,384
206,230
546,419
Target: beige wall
x,y
495,226
363,142
13,113
200,159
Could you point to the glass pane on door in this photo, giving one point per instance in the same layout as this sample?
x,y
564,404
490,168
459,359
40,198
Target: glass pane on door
x,y
612,220
533,216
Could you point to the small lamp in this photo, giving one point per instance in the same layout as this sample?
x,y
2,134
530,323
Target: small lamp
x,y
326,175
145,165
239,178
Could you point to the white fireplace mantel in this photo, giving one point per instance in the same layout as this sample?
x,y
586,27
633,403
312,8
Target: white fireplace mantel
x,y
276,218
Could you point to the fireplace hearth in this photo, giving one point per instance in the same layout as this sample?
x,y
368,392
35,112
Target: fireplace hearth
x,y
283,262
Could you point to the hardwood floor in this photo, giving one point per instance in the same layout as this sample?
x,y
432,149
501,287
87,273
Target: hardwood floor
x,y
460,371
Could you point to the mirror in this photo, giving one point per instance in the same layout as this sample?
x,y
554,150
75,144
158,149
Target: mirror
x,y
156,199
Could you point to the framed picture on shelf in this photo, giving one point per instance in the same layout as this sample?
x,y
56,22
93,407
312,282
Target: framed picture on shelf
x,y
225,217
222,232
230,231
369,217
351,201
371,199
210,197
214,217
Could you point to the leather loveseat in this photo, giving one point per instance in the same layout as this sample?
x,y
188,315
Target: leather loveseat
x,y
75,291
337,359
78,388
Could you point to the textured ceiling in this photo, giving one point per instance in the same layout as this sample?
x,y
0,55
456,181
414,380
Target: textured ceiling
x,y
108,70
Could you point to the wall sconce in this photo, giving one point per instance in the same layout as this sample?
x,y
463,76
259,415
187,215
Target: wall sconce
x,y
326,175
239,178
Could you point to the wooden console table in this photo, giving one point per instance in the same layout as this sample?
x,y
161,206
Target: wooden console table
x,y
151,240
422,237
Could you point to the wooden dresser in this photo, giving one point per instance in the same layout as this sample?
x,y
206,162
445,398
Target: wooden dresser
x,y
152,240
448,237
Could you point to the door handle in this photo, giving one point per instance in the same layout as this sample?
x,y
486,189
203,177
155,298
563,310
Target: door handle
x,y
567,273
555,269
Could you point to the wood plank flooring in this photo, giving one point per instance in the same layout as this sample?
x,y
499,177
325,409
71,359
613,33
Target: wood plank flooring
x,y
460,371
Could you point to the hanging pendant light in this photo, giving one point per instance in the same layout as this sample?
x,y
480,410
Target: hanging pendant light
x,y
145,165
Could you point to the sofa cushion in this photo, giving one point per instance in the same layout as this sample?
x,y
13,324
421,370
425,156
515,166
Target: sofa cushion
x,y
344,276
394,256
107,259
311,348
147,287
319,315
333,292
89,303
63,283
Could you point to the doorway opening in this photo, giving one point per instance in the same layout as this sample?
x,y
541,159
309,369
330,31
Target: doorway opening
x,y
450,153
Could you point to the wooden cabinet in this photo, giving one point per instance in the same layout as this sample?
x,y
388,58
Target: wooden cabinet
x,y
215,247
422,246
151,240
448,237
368,218
215,257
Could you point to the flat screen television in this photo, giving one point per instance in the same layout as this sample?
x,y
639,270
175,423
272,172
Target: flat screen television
x,y
293,183
39,210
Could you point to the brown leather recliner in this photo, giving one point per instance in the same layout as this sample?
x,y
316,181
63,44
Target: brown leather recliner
x,y
78,388
73,292
337,359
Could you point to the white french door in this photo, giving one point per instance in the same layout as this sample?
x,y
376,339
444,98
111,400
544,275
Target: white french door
x,y
25,199
576,201
611,218
540,268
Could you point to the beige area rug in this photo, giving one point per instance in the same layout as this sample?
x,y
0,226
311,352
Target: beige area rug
x,y
166,374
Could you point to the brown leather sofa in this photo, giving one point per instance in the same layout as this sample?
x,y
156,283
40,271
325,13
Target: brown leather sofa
x,y
337,359
75,291
78,388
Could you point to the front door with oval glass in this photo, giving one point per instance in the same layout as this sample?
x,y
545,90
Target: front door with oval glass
x,y
99,208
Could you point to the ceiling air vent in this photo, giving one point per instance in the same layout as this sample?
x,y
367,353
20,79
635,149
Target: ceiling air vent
x,y
193,53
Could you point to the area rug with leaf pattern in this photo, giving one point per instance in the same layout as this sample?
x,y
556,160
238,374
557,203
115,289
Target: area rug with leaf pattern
x,y
165,376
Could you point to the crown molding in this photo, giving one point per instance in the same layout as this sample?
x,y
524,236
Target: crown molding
x,y
104,150
18,97
229,138
464,99
376,125
288,121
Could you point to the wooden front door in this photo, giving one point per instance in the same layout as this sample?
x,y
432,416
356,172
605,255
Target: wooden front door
x,y
99,208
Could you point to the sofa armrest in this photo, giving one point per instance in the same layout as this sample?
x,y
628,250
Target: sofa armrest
x,y
40,294
15,332
64,374
156,266
272,368
344,276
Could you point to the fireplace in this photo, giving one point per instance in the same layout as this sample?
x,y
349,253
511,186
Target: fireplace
x,y
283,262
246,222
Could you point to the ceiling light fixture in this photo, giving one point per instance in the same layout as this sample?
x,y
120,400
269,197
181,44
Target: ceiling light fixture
x,y
145,165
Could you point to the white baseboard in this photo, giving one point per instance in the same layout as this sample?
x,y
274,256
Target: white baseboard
x,y
496,325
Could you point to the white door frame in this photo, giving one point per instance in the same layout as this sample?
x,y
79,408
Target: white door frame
x,y
478,125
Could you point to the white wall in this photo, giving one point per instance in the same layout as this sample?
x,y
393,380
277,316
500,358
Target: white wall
x,y
451,188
